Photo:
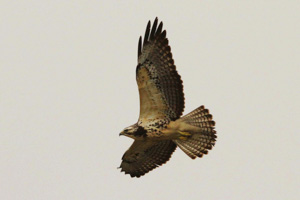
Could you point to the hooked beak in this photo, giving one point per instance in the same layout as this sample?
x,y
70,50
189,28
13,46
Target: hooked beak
x,y
121,134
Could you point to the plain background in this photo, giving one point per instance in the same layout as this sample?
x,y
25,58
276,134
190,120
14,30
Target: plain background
x,y
67,80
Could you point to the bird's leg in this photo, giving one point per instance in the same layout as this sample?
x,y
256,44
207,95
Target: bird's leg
x,y
184,135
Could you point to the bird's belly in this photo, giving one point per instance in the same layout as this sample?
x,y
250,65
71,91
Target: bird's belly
x,y
166,133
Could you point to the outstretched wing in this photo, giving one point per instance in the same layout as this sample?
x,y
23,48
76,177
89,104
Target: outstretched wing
x,y
160,86
143,156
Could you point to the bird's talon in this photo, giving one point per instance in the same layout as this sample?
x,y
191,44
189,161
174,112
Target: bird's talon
x,y
183,138
184,133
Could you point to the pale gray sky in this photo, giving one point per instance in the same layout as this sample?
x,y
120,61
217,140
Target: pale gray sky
x,y
67,83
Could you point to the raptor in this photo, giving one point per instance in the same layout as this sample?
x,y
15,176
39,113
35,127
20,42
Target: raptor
x,y
160,127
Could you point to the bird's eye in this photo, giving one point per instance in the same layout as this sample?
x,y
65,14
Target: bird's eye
x,y
125,130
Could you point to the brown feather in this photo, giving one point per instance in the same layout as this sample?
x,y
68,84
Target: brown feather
x,y
140,46
143,156
205,139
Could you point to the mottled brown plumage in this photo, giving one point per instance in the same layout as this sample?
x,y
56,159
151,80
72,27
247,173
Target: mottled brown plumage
x,y
160,129
156,71
143,156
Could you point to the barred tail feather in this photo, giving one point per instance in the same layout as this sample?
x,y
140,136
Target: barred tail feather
x,y
200,142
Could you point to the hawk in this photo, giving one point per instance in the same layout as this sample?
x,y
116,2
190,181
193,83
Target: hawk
x,y
160,129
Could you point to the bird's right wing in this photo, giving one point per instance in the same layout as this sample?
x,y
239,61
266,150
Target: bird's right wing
x,y
143,156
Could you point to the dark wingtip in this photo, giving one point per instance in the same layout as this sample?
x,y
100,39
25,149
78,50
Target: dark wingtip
x,y
153,31
159,29
140,46
146,37
163,34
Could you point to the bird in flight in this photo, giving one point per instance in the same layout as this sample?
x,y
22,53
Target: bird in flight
x,y
160,129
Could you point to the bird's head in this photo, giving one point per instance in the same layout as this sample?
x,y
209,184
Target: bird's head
x,y
134,131
129,131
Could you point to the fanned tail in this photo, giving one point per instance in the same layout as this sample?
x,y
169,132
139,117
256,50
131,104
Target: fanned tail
x,y
204,139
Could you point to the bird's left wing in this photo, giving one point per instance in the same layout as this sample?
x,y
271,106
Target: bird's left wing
x,y
143,156
160,86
